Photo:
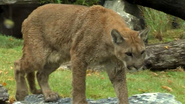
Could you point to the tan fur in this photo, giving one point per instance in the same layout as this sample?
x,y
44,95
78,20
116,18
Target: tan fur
x,y
56,33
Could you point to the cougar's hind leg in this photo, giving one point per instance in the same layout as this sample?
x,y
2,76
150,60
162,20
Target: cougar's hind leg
x,y
33,56
21,86
32,85
43,77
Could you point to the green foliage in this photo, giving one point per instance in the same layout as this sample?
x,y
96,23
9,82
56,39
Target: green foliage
x,y
86,2
157,21
9,42
50,1
160,24
78,2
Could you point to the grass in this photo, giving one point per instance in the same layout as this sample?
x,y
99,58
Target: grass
x,y
157,21
10,42
160,25
98,84
169,35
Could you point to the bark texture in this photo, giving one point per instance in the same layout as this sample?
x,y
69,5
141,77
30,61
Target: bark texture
x,y
166,56
173,7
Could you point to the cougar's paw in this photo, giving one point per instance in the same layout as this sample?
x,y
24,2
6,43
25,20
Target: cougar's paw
x,y
20,95
51,96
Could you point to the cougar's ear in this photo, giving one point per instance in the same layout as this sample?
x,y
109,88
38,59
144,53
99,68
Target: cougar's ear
x,y
143,34
116,37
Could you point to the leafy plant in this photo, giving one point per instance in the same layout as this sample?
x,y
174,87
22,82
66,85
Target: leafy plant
x,y
160,23
50,1
157,21
86,2
79,2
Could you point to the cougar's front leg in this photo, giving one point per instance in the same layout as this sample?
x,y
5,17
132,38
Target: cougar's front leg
x,y
21,86
117,77
31,82
78,81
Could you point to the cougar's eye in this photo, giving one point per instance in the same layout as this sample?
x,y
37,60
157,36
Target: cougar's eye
x,y
129,54
142,52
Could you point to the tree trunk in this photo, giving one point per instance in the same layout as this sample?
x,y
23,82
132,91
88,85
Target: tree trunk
x,y
173,7
166,55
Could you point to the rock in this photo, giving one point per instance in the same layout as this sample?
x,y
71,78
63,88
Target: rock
x,y
153,98
130,12
145,98
4,96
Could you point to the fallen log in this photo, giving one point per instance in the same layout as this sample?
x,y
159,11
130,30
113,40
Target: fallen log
x,y
166,55
173,7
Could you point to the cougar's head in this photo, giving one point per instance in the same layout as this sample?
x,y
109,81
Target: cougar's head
x,y
129,47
